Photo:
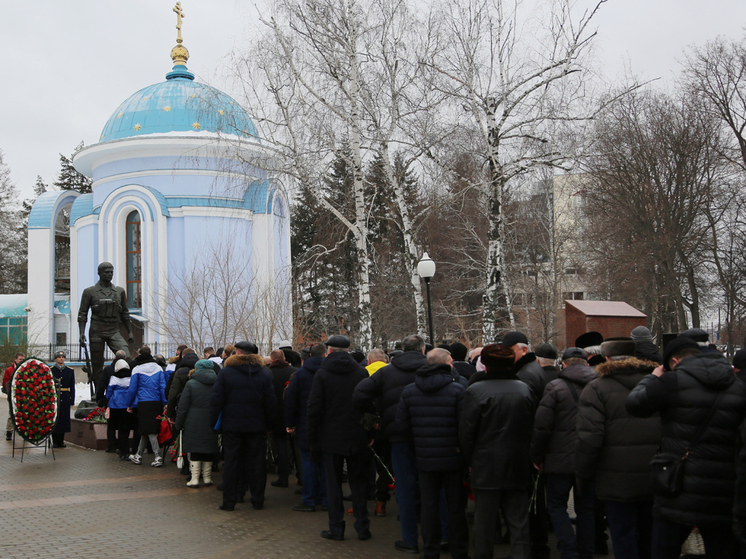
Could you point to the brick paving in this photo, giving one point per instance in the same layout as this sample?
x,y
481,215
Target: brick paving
x,y
88,504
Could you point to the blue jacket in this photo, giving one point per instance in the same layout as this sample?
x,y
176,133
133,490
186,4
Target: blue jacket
x,y
147,384
430,410
243,396
296,399
117,392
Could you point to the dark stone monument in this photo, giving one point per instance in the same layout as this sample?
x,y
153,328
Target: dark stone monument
x,y
108,306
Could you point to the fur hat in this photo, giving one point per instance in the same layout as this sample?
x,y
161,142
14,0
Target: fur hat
x,y
739,359
589,339
497,357
458,351
616,347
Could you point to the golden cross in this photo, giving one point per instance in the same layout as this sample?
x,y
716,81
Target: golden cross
x,y
179,15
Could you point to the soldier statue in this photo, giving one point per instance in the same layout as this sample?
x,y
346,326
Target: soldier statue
x,y
108,306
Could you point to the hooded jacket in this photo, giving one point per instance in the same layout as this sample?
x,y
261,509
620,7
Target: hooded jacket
x,y
178,381
684,398
194,411
243,396
147,383
555,437
296,399
495,431
382,390
333,420
614,447
116,390
429,412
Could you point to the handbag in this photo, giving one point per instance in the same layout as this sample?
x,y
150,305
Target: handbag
x,y
165,432
180,459
667,468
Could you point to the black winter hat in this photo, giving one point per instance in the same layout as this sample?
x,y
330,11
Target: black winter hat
x,y
589,339
547,351
739,359
248,347
572,352
512,338
696,334
338,341
676,345
458,351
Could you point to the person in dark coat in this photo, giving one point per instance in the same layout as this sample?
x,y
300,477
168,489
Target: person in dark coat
x,y
645,349
178,380
243,402
464,368
101,399
739,364
380,393
615,449
280,372
694,391
495,436
199,439
527,369
553,452
120,420
335,432
739,501
429,412
65,377
546,355
296,409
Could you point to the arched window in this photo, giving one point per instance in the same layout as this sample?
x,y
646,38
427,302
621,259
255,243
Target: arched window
x,y
134,262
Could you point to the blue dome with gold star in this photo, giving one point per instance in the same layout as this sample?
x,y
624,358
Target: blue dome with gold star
x,y
178,105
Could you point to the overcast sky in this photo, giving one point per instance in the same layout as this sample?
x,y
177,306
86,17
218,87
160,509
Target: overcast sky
x,y
66,65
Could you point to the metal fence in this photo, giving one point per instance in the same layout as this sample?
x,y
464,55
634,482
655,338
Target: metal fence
x,y
76,353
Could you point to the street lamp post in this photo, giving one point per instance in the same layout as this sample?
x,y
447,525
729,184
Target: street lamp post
x,y
426,270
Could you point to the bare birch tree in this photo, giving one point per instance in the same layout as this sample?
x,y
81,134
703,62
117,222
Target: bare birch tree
x,y
514,81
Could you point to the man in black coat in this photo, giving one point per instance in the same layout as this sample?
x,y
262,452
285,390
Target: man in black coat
x,y
243,402
381,392
65,376
429,412
615,449
702,405
280,371
495,436
334,432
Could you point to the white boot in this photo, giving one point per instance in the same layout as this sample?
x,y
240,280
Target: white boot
x,y
194,468
207,472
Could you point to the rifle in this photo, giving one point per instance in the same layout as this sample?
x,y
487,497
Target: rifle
x,y
89,370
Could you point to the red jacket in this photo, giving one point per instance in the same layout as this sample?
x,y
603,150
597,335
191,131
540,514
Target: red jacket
x,y
6,377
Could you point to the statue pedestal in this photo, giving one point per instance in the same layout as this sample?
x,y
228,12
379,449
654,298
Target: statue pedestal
x,y
87,434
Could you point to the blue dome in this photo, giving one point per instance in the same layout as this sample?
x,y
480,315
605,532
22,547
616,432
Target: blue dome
x,y
178,105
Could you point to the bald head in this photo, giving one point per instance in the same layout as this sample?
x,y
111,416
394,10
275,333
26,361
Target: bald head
x,y
439,355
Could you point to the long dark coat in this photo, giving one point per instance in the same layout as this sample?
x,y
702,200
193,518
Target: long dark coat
x,y
66,377
193,417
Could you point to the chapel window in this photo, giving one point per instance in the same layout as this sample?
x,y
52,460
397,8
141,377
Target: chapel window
x,y
134,262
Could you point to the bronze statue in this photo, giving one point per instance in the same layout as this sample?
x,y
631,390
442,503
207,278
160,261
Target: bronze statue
x,y
108,305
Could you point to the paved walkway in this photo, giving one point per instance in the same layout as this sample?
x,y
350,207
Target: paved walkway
x,y
88,504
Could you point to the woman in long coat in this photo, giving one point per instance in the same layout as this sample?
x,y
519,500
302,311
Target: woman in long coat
x,y
199,437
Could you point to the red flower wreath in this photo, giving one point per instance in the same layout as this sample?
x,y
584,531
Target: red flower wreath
x,y
34,400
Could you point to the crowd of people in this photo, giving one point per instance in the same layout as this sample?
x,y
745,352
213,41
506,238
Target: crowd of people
x,y
646,444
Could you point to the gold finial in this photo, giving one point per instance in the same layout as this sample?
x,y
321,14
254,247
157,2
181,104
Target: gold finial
x,y
179,15
179,54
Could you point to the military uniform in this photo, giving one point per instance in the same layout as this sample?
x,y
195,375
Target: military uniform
x,y
108,306
65,378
